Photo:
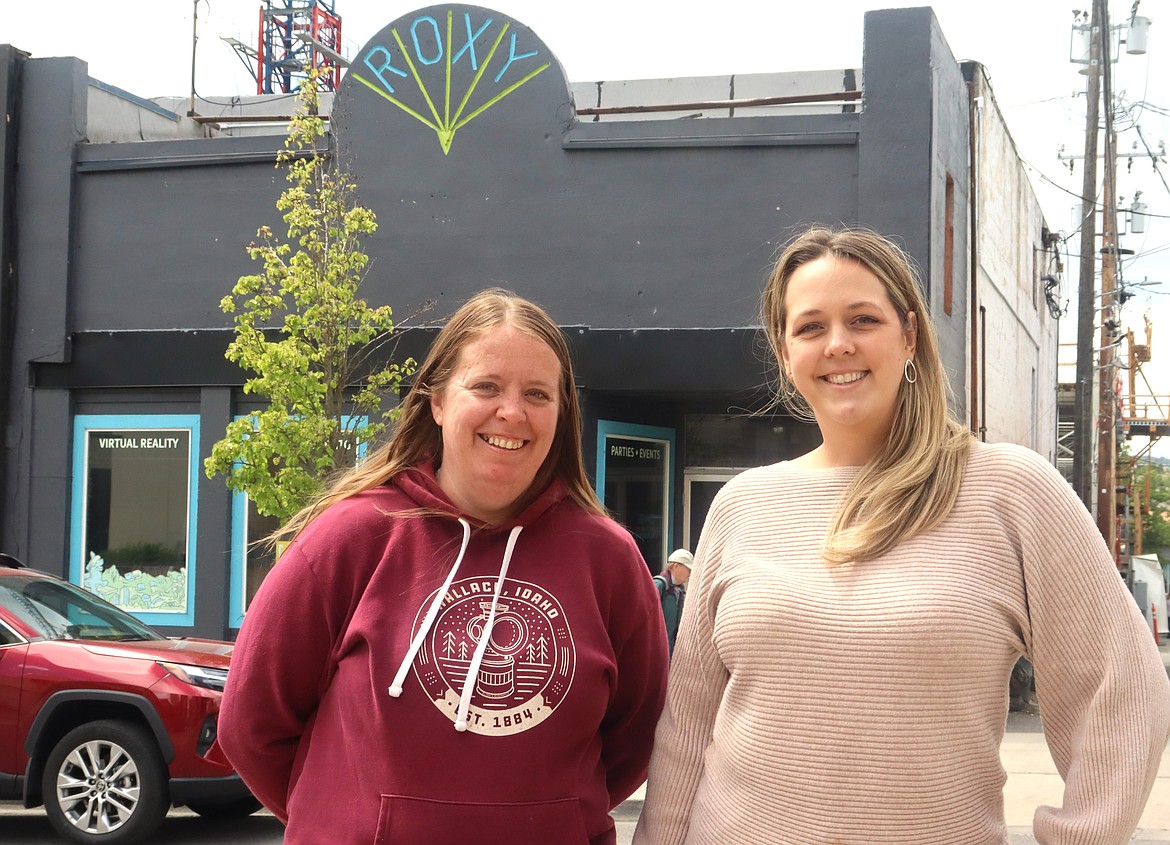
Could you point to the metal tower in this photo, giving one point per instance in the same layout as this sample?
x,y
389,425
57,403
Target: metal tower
x,y
296,35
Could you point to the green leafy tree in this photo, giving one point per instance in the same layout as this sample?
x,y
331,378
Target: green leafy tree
x,y
319,352
1155,509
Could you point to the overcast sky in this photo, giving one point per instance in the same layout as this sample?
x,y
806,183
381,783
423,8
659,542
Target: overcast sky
x,y
145,47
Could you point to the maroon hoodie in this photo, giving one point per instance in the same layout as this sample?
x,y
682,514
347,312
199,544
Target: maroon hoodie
x,y
362,707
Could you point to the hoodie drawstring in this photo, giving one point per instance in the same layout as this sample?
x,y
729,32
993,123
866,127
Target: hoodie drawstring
x,y
485,637
432,615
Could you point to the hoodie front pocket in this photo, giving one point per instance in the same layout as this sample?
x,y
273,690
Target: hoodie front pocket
x,y
405,820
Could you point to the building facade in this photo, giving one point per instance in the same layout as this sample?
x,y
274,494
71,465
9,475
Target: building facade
x,y
643,215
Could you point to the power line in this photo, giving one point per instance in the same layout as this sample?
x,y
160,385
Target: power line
x,y
1153,157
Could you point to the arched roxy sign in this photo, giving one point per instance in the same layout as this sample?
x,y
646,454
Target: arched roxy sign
x,y
446,66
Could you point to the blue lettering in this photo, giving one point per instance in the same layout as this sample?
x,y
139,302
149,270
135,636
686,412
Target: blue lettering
x,y
470,45
386,65
512,56
438,40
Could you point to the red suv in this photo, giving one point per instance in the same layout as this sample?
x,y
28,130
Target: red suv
x,y
102,719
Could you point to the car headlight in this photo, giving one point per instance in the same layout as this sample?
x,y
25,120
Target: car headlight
x,y
198,676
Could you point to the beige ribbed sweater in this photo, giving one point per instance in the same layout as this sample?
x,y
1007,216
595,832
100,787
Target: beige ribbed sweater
x,y
865,703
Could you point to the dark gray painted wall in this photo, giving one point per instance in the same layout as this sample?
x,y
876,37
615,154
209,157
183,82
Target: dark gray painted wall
x,y
11,65
51,124
914,131
48,137
660,236
618,238
678,232
163,227
213,548
895,151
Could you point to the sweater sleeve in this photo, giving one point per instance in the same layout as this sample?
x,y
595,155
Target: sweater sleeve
x,y
697,682
280,666
627,733
1102,689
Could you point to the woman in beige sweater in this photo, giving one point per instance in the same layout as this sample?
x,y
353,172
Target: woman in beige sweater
x,y
841,675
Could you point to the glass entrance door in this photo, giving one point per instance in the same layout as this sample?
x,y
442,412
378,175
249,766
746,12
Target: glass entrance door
x,y
699,488
635,480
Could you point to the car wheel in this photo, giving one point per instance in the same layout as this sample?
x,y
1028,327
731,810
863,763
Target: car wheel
x,y
238,808
105,783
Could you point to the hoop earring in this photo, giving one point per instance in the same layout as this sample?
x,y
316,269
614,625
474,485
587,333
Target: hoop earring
x,y
787,387
910,371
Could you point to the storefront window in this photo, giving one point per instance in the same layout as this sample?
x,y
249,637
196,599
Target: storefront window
x,y
738,440
635,473
134,513
720,446
253,555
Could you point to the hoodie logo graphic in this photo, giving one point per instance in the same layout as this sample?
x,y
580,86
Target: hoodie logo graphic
x,y
527,669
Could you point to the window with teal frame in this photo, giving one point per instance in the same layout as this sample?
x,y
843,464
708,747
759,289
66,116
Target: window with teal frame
x,y
635,481
253,559
134,513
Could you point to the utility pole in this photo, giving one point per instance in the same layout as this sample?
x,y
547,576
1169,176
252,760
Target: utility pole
x,y
1108,405
194,45
1086,294
1110,335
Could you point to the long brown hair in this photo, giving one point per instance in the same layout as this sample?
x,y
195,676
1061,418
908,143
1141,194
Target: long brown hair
x,y
911,484
417,438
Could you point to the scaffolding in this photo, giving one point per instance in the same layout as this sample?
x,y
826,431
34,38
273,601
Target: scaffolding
x,y
297,36
1143,415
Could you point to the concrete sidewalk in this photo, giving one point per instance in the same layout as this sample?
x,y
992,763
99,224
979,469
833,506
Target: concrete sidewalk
x,y
1032,780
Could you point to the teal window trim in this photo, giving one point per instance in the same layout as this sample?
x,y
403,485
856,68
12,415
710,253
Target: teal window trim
x,y
239,542
238,577
608,428
85,423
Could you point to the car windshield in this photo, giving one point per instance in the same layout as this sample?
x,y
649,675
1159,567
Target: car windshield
x,y
58,610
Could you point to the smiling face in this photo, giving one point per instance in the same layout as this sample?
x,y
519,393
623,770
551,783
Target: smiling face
x,y
498,414
845,349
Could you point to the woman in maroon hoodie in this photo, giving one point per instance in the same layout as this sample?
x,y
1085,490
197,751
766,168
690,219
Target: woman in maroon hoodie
x,y
458,645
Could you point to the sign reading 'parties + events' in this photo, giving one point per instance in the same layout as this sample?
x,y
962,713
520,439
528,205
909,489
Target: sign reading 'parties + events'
x,y
480,61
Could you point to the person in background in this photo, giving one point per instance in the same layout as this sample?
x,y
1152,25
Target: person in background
x,y
458,645
672,590
855,613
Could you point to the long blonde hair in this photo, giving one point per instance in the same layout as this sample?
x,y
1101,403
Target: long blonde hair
x,y
417,438
911,484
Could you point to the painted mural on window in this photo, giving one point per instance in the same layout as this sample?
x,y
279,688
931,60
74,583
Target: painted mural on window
x,y
137,507
447,70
